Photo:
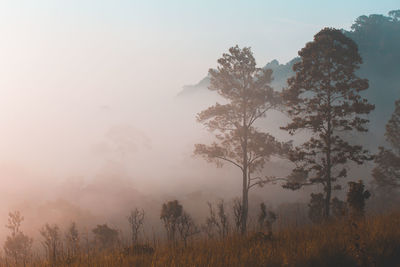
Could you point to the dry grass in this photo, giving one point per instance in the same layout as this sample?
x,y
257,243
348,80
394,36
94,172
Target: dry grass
x,y
371,242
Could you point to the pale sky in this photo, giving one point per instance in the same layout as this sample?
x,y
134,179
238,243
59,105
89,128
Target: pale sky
x,y
176,41
71,70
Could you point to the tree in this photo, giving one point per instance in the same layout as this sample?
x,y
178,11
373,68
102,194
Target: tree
x,y
395,14
72,241
237,213
323,98
249,96
106,236
170,214
356,197
316,208
186,227
386,174
17,246
223,221
266,218
217,222
175,219
135,220
339,208
52,241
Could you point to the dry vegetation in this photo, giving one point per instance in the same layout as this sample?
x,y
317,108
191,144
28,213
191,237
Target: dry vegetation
x,y
374,241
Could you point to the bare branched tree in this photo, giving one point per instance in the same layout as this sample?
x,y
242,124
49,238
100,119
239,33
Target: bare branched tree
x,y
186,227
237,213
17,245
217,222
72,240
211,222
135,220
223,219
51,242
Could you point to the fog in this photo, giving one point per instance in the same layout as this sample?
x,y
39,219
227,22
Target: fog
x,y
92,124
82,159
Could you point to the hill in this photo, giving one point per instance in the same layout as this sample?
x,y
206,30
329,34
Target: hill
x,y
378,39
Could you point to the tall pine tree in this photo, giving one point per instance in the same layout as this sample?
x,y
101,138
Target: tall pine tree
x,y
238,141
323,99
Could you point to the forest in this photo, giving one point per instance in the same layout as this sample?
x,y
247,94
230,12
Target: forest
x,y
337,105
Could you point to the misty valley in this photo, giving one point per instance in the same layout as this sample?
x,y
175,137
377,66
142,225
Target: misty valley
x,y
294,164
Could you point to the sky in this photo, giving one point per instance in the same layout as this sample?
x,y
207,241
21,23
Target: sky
x,y
72,70
177,41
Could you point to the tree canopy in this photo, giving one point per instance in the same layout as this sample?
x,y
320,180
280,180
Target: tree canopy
x,y
324,99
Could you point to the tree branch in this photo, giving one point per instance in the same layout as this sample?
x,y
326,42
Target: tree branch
x,y
231,161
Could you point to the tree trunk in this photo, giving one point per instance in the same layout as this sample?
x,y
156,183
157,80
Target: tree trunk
x,y
245,191
328,195
245,203
328,187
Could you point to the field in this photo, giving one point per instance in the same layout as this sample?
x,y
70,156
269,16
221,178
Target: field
x,y
374,241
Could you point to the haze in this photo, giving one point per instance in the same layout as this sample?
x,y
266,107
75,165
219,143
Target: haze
x,y
88,94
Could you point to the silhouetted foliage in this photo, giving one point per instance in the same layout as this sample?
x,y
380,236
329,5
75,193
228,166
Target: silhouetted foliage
x,y
72,241
175,219
135,220
105,236
249,96
217,222
17,246
324,99
386,174
266,218
211,222
223,219
316,208
377,37
170,214
394,14
339,208
237,213
52,241
356,197
186,227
